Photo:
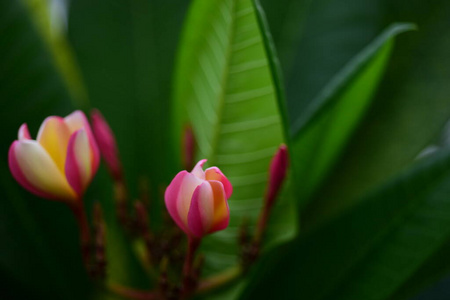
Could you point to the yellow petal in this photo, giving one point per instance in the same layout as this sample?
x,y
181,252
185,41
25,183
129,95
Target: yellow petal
x,y
54,137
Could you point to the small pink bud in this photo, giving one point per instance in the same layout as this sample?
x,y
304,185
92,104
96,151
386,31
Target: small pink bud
x,y
278,170
188,147
198,201
60,163
107,144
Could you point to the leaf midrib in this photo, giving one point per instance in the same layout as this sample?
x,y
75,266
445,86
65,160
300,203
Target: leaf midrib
x,y
224,85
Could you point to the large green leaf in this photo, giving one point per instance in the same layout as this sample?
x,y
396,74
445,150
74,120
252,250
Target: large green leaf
x,y
39,237
408,113
372,250
327,123
226,89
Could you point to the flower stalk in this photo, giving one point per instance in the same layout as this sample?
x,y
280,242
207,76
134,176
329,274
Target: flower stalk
x,y
85,234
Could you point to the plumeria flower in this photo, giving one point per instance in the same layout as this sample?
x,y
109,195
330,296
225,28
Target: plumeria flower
x,y
198,201
60,163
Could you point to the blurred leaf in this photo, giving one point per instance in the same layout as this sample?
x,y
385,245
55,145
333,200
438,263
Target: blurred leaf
x,y
39,237
410,109
126,50
370,251
430,272
323,129
53,31
225,84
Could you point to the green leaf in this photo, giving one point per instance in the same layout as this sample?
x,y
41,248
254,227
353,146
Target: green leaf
x,y
326,125
436,267
316,39
408,113
373,249
227,91
126,50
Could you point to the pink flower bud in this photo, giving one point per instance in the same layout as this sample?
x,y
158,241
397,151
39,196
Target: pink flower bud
x,y
188,147
107,144
278,170
60,163
198,201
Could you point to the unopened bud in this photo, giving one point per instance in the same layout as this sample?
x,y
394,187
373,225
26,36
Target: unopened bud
x,y
188,145
107,144
278,171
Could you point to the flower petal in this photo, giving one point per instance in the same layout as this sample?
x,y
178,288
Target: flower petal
x,y
201,211
78,167
35,170
24,134
54,136
198,169
214,173
171,197
209,210
187,188
221,209
78,120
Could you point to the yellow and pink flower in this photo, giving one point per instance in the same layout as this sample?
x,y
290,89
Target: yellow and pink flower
x,y
60,163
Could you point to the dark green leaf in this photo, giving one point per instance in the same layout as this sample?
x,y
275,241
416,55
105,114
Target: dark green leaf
x,y
324,128
371,251
408,113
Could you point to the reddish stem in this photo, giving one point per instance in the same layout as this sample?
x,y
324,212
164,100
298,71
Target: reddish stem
x,y
262,222
83,225
193,244
189,280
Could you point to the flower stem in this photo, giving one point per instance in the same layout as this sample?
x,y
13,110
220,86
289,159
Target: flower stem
x,y
189,280
85,235
262,222
193,244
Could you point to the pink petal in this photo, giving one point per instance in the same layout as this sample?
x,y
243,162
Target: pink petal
x,y
33,168
54,137
198,169
78,120
78,163
209,210
214,173
24,134
201,211
171,198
